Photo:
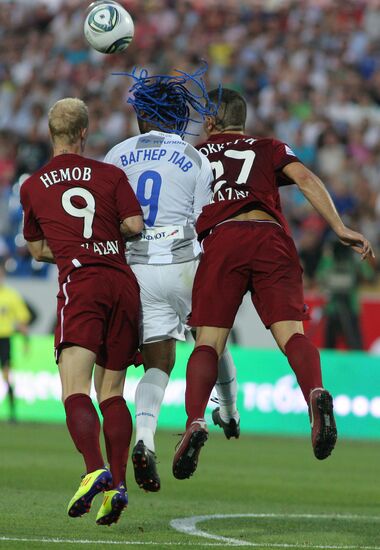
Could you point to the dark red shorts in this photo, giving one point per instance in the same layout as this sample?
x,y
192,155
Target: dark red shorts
x,y
255,256
98,309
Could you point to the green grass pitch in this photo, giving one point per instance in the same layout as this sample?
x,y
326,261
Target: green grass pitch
x,y
276,477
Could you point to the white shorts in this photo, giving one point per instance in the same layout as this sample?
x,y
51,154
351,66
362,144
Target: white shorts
x,y
165,293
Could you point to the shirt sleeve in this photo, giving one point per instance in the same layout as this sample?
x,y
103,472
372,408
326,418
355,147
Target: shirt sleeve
x,y
203,193
126,203
108,157
32,230
282,155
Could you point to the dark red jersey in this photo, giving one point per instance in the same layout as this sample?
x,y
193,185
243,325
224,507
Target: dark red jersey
x,y
77,204
248,173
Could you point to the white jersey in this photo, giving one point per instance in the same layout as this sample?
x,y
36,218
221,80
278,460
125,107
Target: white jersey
x,y
172,182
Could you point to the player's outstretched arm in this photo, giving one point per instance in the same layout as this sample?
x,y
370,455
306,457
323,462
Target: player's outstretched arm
x,y
41,252
316,193
132,226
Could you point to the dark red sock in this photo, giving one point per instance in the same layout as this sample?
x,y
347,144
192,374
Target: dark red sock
x,y
117,428
83,423
304,359
201,375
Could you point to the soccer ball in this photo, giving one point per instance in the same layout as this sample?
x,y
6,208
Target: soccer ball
x,y
108,27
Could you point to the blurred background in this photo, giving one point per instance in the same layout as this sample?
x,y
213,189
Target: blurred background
x,y
310,71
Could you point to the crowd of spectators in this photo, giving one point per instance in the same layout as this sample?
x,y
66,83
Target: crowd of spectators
x,y
310,71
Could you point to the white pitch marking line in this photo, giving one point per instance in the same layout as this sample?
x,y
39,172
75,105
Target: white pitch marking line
x,y
113,542
189,526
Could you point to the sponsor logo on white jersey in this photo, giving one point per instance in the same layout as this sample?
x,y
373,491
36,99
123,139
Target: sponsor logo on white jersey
x,y
167,233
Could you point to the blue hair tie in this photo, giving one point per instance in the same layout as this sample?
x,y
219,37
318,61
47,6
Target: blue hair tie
x,y
165,101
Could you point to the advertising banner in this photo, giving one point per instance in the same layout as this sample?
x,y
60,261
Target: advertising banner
x,y
269,399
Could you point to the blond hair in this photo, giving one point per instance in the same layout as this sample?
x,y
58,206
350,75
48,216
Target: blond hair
x,y
67,118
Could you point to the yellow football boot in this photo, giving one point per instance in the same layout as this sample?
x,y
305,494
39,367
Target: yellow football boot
x,y
91,484
114,502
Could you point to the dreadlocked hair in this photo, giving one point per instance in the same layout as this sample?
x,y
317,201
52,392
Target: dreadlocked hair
x,y
165,100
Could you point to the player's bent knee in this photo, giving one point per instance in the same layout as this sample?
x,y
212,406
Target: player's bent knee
x,y
211,344
164,367
101,397
282,331
214,337
107,392
108,383
67,392
159,355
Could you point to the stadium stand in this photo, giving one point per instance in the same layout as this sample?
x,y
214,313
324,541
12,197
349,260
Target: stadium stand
x,y
310,71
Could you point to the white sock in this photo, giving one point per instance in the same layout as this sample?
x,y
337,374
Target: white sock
x,y
226,387
149,395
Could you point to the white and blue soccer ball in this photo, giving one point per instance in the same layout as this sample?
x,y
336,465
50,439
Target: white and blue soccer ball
x,y
108,27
